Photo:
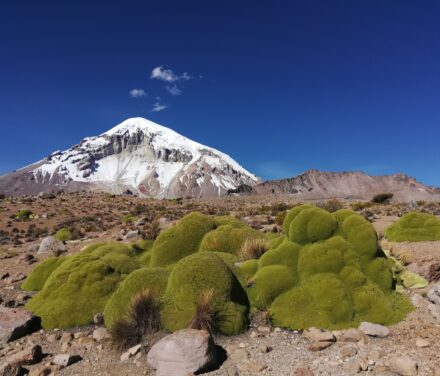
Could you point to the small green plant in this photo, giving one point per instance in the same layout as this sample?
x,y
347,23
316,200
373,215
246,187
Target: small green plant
x,y
382,198
63,235
128,219
24,215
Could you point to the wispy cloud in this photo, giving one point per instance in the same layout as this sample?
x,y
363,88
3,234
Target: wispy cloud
x,y
173,90
158,106
167,75
137,93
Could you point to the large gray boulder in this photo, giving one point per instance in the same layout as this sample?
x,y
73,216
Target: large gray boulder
x,y
15,323
434,294
184,352
51,245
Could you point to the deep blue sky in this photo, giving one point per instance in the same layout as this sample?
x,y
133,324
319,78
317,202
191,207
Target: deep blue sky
x,y
281,86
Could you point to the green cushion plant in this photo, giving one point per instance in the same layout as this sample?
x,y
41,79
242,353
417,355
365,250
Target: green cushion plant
x,y
36,280
81,286
153,279
329,274
414,227
191,277
63,235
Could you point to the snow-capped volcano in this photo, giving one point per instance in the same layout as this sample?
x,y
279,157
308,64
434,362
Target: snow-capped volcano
x,y
137,155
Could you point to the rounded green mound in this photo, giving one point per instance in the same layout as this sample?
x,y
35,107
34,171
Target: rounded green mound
x,y
189,279
181,240
228,238
63,235
268,283
414,227
327,273
311,225
153,279
39,275
81,286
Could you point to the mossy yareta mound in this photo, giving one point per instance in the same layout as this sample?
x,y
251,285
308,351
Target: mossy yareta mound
x,y
36,280
181,240
81,285
153,279
198,232
194,275
414,227
327,272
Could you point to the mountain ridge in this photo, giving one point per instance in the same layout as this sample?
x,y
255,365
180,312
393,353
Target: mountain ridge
x,y
136,155
151,160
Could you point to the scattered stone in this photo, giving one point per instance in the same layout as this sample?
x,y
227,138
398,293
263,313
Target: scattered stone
x,y
302,371
51,245
434,294
7,369
130,352
66,337
15,278
64,360
132,234
350,335
98,319
434,272
422,343
100,334
15,324
403,366
264,349
348,351
31,355
319,346
417,300
183,352
435,310
236,354
264,329
141,222
374,330
318,335
42,370
375,355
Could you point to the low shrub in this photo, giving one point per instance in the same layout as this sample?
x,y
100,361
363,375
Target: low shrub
x,y
330,205
382,198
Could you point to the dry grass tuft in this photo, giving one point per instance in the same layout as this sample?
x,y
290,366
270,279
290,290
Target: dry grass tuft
x,y
204,317
253,249
142,320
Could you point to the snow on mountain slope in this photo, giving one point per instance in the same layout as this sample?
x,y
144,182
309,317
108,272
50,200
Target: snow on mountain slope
x,y
137,155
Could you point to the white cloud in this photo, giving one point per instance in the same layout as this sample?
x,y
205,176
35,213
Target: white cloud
x,y
137,93
167,75
173,90
158,106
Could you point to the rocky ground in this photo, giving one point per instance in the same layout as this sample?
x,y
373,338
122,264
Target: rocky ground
x,y
411,347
